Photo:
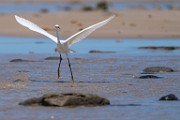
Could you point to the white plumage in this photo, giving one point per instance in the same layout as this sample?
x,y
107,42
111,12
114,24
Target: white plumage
x,y
63,46
69,41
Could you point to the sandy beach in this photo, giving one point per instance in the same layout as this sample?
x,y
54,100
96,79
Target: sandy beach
x,y
137,23
127,24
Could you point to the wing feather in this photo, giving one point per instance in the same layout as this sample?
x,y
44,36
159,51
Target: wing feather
x,y
35,28
85,32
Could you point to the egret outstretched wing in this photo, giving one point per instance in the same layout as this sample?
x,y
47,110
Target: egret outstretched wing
x,y
34,27
85,32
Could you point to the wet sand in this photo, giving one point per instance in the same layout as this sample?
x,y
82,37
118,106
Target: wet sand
x,y
114,76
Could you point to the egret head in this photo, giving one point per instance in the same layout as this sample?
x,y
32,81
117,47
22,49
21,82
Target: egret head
x,y
57,27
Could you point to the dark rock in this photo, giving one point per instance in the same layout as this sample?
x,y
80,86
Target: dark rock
x,y
148,77
102,5
21,60
169,97
158,69
32,102
52,58
67,99
99,51
161,48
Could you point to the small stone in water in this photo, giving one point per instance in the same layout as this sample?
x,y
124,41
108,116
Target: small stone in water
x,y
52,58
168,97
158,69
148,77
20,60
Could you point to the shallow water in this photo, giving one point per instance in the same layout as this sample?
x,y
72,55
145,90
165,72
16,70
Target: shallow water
x,y
114,76
24,45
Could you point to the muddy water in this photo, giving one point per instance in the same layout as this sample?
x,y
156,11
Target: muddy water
x,y
114,76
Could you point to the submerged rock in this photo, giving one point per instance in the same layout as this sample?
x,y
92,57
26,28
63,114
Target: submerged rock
x,y
99,51
22,60
169,97
148,77
158,69
67,99
160,48
21,77
52,58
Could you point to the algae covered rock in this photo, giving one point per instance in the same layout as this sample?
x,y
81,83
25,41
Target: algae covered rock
x,y
67,99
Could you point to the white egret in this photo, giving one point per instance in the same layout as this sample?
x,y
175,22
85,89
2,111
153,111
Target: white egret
x,y
63,46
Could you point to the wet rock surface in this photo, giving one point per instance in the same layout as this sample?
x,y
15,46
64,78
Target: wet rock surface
x,y
99,51
169,97
67,99
161,48
158,69
149,77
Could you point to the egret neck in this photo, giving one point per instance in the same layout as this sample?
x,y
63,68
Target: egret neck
x,y
57,33
60,47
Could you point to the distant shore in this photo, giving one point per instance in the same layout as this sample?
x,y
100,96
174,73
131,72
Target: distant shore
x,y
127,24
76,1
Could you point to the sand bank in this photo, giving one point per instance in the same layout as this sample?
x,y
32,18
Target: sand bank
x,y
136,23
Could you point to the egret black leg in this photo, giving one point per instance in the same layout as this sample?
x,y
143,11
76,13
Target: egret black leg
x,y
60,59
72,78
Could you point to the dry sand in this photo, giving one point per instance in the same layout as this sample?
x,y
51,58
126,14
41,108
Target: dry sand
x,y
136,23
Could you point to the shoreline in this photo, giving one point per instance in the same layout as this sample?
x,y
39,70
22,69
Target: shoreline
x,y
126,24
81,1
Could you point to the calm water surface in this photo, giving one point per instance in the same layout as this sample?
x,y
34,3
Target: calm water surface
x,y
26,45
